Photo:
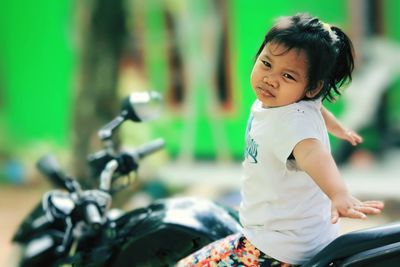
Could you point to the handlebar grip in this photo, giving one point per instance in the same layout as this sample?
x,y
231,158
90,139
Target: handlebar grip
x,y
49,166
149,148
92,215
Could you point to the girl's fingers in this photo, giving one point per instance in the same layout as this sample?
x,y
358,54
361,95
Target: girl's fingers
x,y
357,137
368,210
334,216
356,210
354,214
353,137
374,204
348,213
352,141
369,207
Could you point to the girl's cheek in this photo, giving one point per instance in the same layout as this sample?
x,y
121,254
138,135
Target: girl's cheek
x,y
252,77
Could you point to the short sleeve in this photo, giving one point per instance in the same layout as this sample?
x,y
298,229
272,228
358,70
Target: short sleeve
x,y
290,130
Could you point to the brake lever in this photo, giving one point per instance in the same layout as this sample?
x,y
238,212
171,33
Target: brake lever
x,y
67,239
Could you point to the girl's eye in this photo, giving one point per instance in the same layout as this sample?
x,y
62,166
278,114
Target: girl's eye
x,y
288,76
266,63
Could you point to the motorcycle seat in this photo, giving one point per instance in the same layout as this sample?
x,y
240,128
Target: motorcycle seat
x,y
356,242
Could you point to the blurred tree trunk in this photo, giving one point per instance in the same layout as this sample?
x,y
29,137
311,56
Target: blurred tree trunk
x,y
101,34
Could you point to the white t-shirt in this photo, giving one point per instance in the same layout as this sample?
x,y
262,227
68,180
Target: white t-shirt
x,y
284,213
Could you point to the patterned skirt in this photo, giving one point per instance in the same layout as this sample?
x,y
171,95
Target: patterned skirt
x,y
232,251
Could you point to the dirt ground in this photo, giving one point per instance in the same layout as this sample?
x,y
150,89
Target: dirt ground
x,y
15,203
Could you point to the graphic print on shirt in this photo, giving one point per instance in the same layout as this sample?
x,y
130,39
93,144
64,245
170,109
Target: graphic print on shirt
x,y
251,145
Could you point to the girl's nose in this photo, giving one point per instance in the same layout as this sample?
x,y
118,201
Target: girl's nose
x,y
271,80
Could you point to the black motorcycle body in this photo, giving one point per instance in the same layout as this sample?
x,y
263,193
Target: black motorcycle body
x,y
160,234
157,235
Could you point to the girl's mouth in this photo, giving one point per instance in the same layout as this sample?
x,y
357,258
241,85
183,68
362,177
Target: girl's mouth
x,y
265,92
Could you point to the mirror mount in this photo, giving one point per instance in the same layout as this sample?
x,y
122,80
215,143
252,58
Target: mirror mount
x,y
106,131
128,110
137,107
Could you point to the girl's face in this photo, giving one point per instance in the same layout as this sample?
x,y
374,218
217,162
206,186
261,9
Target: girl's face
x,y
279,76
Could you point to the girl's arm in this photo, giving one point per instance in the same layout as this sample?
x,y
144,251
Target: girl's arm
x,y
338,130
312,157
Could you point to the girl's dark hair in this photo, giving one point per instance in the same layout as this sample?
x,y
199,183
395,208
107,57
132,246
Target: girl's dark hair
x,y
328,49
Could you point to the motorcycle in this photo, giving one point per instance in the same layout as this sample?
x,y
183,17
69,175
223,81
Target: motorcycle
x,y
77,227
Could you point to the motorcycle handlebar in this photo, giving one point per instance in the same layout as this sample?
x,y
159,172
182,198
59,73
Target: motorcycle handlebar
x,y
149,148
49,166
127,160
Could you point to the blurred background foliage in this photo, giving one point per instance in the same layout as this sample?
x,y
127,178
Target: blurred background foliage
x,y
65,65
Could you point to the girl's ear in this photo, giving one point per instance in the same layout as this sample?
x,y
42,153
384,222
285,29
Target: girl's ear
x,y
316,90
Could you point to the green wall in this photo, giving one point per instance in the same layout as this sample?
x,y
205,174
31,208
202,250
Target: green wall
x,y
37,62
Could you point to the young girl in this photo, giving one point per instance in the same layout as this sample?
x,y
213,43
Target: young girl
x,y
292,191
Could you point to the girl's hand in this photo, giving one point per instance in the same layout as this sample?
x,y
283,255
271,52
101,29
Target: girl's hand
x,y
345,205
349,135
334,126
